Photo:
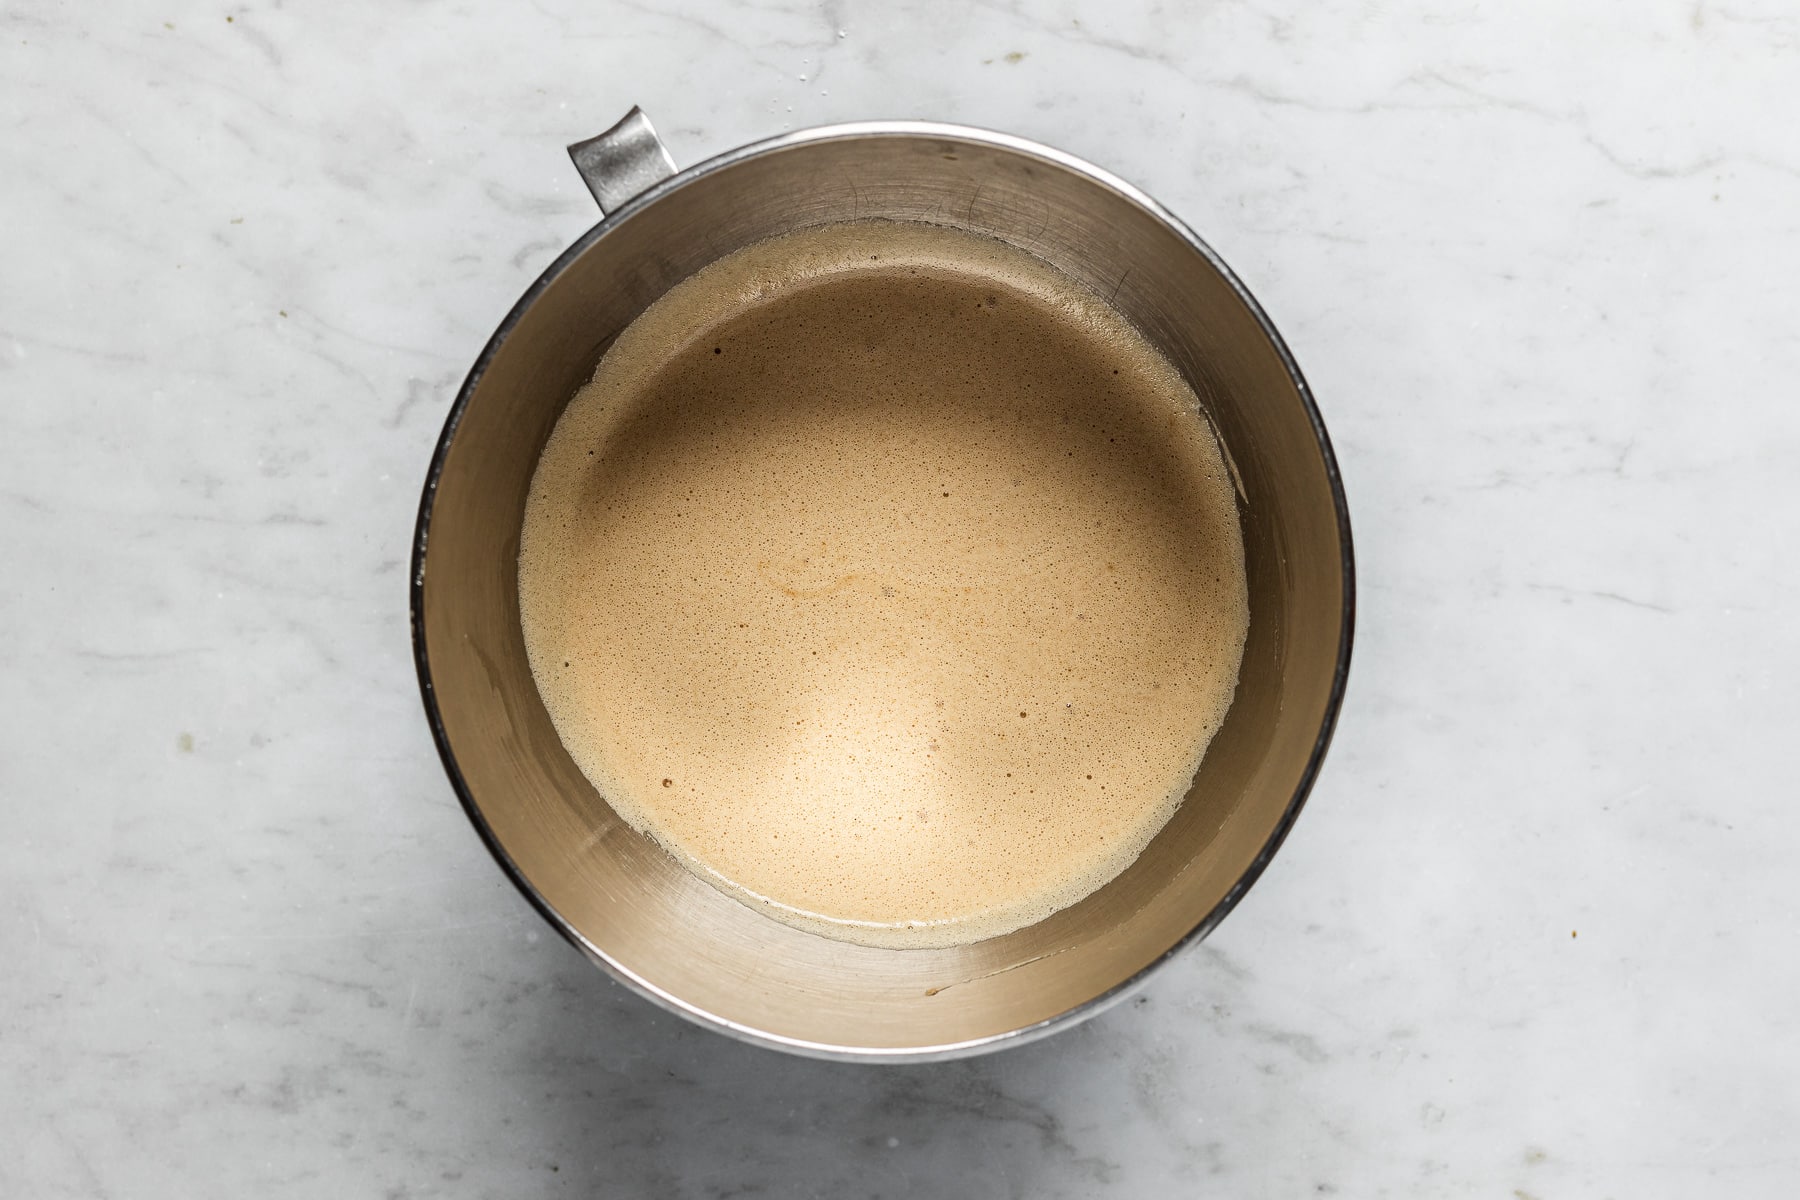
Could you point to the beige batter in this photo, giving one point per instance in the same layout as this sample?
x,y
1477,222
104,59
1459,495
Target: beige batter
x,y
889,579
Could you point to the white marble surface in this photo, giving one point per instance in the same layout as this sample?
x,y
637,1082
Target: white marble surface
x,y
1539,261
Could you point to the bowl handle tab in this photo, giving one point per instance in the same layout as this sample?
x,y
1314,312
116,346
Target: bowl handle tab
x,y
623,162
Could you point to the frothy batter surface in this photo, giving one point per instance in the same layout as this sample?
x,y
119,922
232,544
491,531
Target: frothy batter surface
x,y
887,578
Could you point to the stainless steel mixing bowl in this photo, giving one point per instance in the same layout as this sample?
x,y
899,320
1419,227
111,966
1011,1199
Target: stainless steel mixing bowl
x,y
627,904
